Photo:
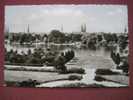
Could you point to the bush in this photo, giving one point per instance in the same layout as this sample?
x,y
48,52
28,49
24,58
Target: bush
x,y
28,83
76,70
75,77
105,72
99,78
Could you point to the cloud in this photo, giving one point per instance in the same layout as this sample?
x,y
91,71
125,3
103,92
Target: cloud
x,y
117,11
43,18
54,18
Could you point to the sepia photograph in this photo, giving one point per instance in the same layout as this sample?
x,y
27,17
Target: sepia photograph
x,y
66,46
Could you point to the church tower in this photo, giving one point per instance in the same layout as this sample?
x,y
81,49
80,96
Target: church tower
x,y
28,29
6,30
125,30
61,28
83,28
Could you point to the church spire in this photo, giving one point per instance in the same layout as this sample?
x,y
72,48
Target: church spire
x,y
6,30
83,28
125,30
61,28
28,29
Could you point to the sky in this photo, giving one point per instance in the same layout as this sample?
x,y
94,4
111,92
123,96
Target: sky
x,y
44,18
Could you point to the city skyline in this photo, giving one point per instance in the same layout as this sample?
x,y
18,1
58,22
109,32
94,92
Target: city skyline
x,y
66,18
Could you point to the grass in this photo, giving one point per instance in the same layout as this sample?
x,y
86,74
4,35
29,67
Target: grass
x,y
72,70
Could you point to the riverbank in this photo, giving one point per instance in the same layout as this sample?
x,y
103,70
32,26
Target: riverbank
x,y
54,79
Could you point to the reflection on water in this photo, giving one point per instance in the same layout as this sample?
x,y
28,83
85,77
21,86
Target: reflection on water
x,y
79,52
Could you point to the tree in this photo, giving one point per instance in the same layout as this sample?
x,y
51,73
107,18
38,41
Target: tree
x,y
99,37
56,36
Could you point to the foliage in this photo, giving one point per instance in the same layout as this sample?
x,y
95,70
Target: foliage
x,y
56,36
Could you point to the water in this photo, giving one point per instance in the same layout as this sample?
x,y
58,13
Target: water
x,y
94,59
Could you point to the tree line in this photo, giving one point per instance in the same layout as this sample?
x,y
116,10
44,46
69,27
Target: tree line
x,y
54,36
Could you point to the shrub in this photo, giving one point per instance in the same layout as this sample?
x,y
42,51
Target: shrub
x,y
75,77
76,70
105,72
